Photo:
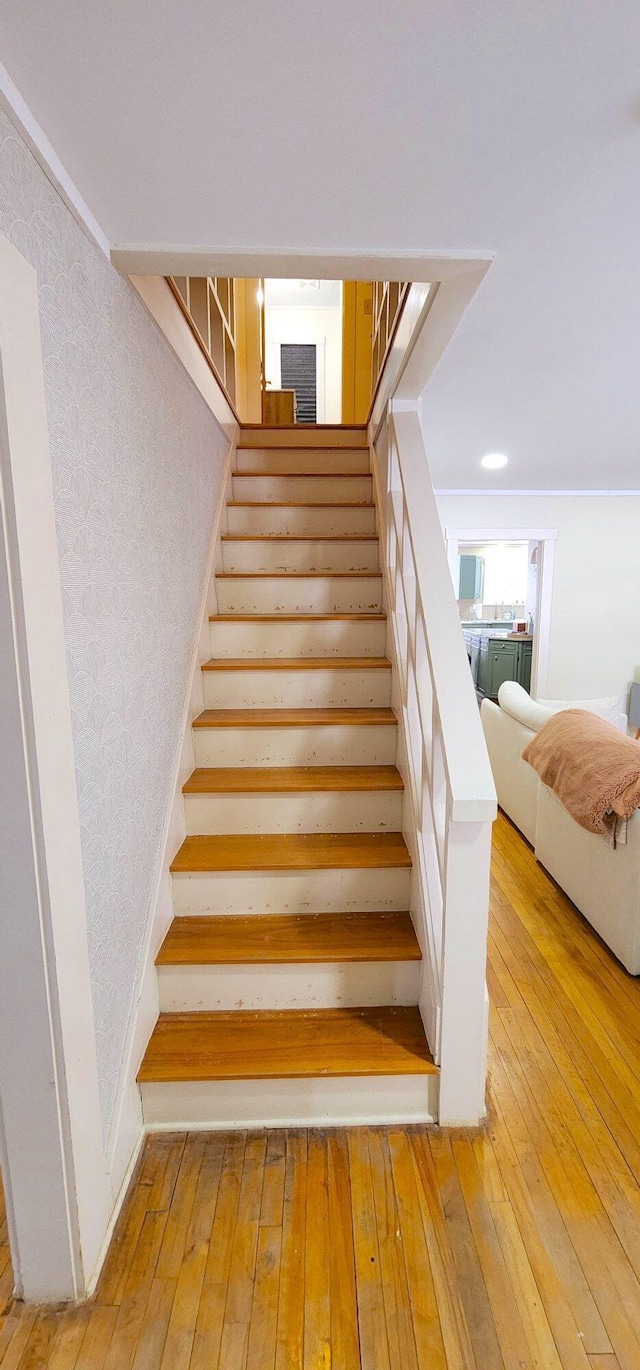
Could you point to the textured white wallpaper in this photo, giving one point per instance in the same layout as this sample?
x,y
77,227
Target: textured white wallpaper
x,y
137,464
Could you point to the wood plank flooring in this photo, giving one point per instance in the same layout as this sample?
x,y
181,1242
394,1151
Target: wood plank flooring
x,y
514,1248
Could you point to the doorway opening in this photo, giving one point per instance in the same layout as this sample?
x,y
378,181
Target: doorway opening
x,y
302,327
502,581
298,369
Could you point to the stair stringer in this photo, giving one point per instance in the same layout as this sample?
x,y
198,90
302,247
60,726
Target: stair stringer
x,y
421,905
128,1125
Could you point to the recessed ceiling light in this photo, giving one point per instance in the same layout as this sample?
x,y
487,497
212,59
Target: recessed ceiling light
x,y
494,461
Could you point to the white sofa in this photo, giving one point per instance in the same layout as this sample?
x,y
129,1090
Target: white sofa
x,y
604,884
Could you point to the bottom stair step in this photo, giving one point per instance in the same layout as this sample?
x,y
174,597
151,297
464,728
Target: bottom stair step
x,y
291,1044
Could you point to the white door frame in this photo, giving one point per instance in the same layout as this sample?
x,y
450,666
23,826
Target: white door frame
x,y
57,1189
546,538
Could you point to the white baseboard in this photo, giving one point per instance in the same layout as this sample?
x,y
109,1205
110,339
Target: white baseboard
x,y
116,1210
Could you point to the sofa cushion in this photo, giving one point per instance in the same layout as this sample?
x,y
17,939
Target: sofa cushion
x,y
532,713
515,701
607,708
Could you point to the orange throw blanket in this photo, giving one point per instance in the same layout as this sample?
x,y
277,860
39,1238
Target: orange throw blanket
x,y
592,768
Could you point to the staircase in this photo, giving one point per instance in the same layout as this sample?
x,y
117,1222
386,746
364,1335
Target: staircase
x,y
289,977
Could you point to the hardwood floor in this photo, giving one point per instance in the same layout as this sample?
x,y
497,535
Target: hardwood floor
x,y
516,1248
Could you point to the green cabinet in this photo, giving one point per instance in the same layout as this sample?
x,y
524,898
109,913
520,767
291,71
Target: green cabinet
x,y
471,582
525,653
472,644
498,662
503,659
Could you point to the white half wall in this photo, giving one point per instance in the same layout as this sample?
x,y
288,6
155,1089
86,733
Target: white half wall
x,y
594,644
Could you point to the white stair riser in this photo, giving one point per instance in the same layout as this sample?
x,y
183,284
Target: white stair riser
x,y
299,595
361,890
303,489
341,462
277,520
342,746
375,811
310,437
346,984
268,555
350,1100
342,637
315,689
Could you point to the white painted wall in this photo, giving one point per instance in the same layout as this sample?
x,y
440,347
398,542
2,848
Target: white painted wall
x,y
595,616
137,465
308,323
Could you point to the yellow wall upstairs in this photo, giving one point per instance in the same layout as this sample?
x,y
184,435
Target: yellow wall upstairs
x,y
248,390
357,314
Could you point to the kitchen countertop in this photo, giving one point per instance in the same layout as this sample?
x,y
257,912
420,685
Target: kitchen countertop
x,y
501,633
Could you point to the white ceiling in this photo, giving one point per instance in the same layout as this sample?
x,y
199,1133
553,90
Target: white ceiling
x,y
505,125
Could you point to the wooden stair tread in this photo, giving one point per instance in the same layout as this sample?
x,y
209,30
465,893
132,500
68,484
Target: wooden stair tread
x,y
298,663
295,718
305,475
299,537
297,618
279,939
291,779
296,504
298,575
291,1044
292,851
311,449
247,426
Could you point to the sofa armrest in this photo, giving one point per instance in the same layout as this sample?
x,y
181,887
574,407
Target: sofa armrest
x,y
516,782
